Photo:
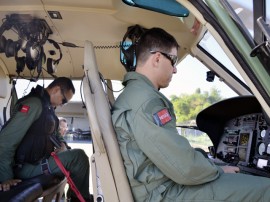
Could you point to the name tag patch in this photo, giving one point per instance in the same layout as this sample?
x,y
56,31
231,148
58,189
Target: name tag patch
x,y
25,109
162,117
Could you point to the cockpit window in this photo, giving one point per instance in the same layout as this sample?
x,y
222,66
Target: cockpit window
x,y
24,86
245,10
211,46
168,7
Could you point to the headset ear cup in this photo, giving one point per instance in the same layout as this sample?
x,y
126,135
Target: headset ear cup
x,y
41,60
3,42
50,66
20,64
31,63
11,48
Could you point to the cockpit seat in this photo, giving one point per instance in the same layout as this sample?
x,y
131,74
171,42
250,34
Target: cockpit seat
x,y
110,182
24,191
47,187
44,186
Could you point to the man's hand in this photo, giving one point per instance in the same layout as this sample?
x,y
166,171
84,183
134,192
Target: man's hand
x,y
230,169
5,186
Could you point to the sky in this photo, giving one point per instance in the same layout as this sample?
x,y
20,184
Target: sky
x,y
191,74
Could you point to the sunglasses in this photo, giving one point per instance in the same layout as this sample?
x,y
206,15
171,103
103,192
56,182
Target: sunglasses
x,y
64,100
172,58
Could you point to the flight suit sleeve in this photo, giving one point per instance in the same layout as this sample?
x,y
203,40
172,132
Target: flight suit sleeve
x,y
168,150
12,134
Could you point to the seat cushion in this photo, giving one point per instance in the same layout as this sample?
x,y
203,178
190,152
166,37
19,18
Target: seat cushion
x,y
25,191
30,189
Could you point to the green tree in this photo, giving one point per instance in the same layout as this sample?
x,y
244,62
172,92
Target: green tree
x,y
187,106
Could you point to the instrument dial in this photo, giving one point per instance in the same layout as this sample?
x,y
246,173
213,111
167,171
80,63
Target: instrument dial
x,y
261,148
263,133
268,149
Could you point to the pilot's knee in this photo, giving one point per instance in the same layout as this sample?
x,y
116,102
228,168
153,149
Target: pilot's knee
x,y
80,156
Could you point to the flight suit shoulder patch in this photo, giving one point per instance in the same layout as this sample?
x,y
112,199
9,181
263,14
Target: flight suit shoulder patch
x,y
24,108
162,117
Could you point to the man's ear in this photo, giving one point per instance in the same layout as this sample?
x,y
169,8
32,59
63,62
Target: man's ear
x,y
55,89
155,59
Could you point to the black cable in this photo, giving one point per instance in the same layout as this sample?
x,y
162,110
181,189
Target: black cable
x,y
105,83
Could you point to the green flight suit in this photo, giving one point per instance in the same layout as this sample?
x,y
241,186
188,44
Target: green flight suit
x,y
75,160
160,164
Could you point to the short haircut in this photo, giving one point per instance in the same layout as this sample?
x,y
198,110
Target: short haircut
x,y
154,39
64,83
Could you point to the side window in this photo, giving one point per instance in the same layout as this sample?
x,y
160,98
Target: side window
x,y
24,86
191,76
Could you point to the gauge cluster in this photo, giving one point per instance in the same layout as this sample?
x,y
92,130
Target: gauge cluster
x,y
245,143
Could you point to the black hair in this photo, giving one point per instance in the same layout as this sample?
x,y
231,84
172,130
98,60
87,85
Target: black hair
x,y
64,83
154,39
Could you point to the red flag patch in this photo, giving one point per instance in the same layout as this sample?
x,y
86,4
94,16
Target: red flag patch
x,y
25,109
162,117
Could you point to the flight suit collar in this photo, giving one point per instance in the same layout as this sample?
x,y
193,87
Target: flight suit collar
x,y
136,76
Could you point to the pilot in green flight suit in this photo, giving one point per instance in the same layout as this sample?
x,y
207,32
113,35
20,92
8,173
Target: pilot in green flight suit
x,y
160,164
26,139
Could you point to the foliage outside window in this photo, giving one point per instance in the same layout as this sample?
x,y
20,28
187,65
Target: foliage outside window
x,y
187,106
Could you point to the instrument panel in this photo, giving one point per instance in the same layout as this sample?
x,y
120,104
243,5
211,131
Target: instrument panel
x,y
245,142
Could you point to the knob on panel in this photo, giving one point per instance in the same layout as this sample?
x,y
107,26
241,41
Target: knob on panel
x,y
261,148
263,133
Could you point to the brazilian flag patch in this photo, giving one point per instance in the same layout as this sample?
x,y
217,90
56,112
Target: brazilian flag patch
x,y
24,108
162,117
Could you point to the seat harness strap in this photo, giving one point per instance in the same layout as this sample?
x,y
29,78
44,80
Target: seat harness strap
x,y
67,174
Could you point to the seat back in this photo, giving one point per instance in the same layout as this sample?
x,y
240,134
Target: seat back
x,y
4,94
109,177
3,80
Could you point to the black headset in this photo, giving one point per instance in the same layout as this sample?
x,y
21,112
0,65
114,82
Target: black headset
x,y
31,63
128,58
34,51
9,47
33,54
51,63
